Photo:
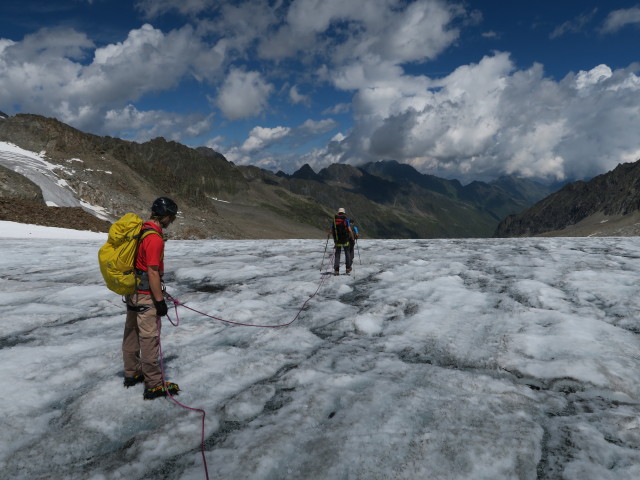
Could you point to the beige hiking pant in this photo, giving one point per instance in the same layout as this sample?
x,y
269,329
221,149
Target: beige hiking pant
x,y
140,341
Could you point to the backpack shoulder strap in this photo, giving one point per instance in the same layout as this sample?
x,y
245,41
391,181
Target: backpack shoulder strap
x,y
145,232
142,281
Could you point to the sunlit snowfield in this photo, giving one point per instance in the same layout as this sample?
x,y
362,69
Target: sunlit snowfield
x,y
436,359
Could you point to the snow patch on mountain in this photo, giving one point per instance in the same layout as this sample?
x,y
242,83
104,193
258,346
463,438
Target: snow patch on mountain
x,y
56,191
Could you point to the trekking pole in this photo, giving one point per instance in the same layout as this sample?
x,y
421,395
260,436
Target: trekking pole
x,y
325,252
358,248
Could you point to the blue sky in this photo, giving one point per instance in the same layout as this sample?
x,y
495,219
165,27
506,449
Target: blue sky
x,y
460,89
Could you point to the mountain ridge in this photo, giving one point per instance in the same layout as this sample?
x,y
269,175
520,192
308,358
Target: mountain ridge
x,y
606,205
221,200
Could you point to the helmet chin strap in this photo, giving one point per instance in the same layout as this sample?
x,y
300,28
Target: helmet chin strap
x,y
166,221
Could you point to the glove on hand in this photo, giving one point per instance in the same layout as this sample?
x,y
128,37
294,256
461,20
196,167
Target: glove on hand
x,y
161,308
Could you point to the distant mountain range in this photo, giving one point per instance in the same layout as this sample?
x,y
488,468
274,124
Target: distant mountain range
x,y
221,200
393,200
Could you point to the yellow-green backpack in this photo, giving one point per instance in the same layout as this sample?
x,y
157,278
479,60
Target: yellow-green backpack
x,y
117,256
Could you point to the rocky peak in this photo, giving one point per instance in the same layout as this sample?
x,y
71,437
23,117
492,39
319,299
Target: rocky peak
x,y
306,173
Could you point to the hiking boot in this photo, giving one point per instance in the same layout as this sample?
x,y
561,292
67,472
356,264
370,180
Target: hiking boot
x,y
337,272
131,381
348,270
160,391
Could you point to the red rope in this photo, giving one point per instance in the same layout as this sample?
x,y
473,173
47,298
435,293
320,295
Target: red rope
x,y
199,410
176,304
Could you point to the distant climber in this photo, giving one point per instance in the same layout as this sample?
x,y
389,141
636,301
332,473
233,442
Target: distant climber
x,y
341,232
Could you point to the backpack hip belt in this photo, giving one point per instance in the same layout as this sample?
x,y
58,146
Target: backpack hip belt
x,y
143,281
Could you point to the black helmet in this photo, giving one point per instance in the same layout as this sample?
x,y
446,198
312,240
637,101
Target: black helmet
x,y
164,206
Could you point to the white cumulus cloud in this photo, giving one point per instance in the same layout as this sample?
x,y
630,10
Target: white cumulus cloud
x,y
254,59
137,125
488,119
296,97
243,94
619,19
52,73
260,138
